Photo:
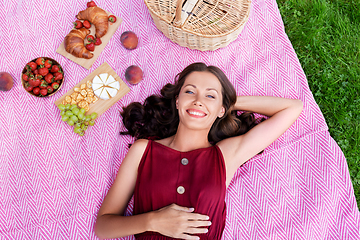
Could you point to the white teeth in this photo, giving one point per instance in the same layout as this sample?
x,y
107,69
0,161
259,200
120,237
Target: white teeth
x,y
196,113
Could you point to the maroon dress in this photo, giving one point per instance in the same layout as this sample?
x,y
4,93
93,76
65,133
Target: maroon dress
x,y
195,179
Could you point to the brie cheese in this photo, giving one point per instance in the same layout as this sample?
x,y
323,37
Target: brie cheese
x,y
105,86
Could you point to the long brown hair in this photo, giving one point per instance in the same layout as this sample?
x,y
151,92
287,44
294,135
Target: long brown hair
x,y
158,116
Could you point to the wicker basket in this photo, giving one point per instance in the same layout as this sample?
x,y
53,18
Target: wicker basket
x,y
200,24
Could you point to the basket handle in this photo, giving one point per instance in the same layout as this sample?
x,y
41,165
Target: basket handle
x,y
177,21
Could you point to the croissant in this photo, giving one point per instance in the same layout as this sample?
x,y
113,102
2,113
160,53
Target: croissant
x,y
74,43
96,16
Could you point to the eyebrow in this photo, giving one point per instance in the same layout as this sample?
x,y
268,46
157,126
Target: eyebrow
x,y
208,89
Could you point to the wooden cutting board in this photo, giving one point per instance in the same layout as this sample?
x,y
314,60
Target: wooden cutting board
x,y
100,106
87,63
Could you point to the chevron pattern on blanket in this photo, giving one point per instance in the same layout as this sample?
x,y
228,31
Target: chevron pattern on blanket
x,y
52,181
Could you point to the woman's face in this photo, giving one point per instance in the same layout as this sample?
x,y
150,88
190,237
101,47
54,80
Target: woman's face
x,y
200,100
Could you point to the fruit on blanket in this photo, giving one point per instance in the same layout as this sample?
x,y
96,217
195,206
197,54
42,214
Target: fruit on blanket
x,y
96,16
105,86
133,74
75,116
78,24
36,91
58,76
48,63
112,18
32,65
54,68
43,71
129,40
91,4
49,78
43,91
90,38
6,81
36,79
90,46
40,61
97,41
86,24
74,43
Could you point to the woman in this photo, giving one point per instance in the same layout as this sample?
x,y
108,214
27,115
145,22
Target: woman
x,y
179,181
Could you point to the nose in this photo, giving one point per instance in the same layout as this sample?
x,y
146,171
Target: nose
x,y
197,103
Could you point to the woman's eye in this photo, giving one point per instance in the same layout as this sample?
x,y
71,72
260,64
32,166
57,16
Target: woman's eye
x,y
190,92
210,96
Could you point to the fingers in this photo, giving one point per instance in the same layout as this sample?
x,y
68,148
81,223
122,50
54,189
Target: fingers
x,y
180,208
196,224
197,217
188,237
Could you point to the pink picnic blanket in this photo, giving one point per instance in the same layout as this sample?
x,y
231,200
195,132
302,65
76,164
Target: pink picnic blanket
x,y
53,181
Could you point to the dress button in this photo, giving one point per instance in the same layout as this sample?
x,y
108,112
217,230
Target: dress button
x,y
180,190
184,161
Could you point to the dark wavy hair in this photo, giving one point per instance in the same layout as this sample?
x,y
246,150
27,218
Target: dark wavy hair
x,y
158,116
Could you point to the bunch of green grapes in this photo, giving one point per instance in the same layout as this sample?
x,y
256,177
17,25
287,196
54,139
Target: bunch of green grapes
x,y
75,116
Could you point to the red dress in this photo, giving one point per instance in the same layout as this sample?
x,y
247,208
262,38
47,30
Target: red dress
x,y
195,179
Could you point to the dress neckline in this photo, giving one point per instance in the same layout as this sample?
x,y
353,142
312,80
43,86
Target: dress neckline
x,y
177,151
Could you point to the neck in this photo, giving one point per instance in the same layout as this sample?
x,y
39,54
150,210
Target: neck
x,y
187,139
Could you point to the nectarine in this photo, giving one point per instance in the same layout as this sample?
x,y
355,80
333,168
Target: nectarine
x,y
6,81
129,40
133,74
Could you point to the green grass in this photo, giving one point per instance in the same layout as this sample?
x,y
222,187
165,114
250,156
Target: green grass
x,y
326,37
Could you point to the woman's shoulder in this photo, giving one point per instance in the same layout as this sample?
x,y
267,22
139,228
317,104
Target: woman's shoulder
x,y
228,146
139,145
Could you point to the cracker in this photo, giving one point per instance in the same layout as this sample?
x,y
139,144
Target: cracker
x,y
83,92
68,99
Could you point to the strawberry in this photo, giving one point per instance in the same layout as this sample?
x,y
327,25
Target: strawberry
x,y
43,84
86,24
29,88
58,76
90,47
36,72
25,77
40,61
43,71
49,78
78,24
112,18
49,89
91,4
90,38
55,68
43,91
36,91
32,66
97,41
55,85
48,63
34,82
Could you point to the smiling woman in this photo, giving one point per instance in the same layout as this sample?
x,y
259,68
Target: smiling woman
x,y
179,181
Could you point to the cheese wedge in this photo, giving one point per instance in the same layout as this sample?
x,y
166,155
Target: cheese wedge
x,y
115,85
105,86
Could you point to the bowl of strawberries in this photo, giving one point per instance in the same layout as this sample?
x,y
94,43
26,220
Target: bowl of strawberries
x,y
42,77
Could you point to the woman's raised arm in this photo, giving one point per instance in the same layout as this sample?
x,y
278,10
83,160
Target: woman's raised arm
x,y
282,113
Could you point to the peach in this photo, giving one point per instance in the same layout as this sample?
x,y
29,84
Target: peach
x,y
129,40
133,74
6,81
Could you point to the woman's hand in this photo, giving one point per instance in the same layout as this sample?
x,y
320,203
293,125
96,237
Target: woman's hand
x,y
179,222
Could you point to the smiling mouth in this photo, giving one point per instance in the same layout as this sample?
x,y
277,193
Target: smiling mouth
x,y
196,113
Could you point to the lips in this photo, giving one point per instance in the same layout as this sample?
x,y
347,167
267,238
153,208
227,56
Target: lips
x,y
196,113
